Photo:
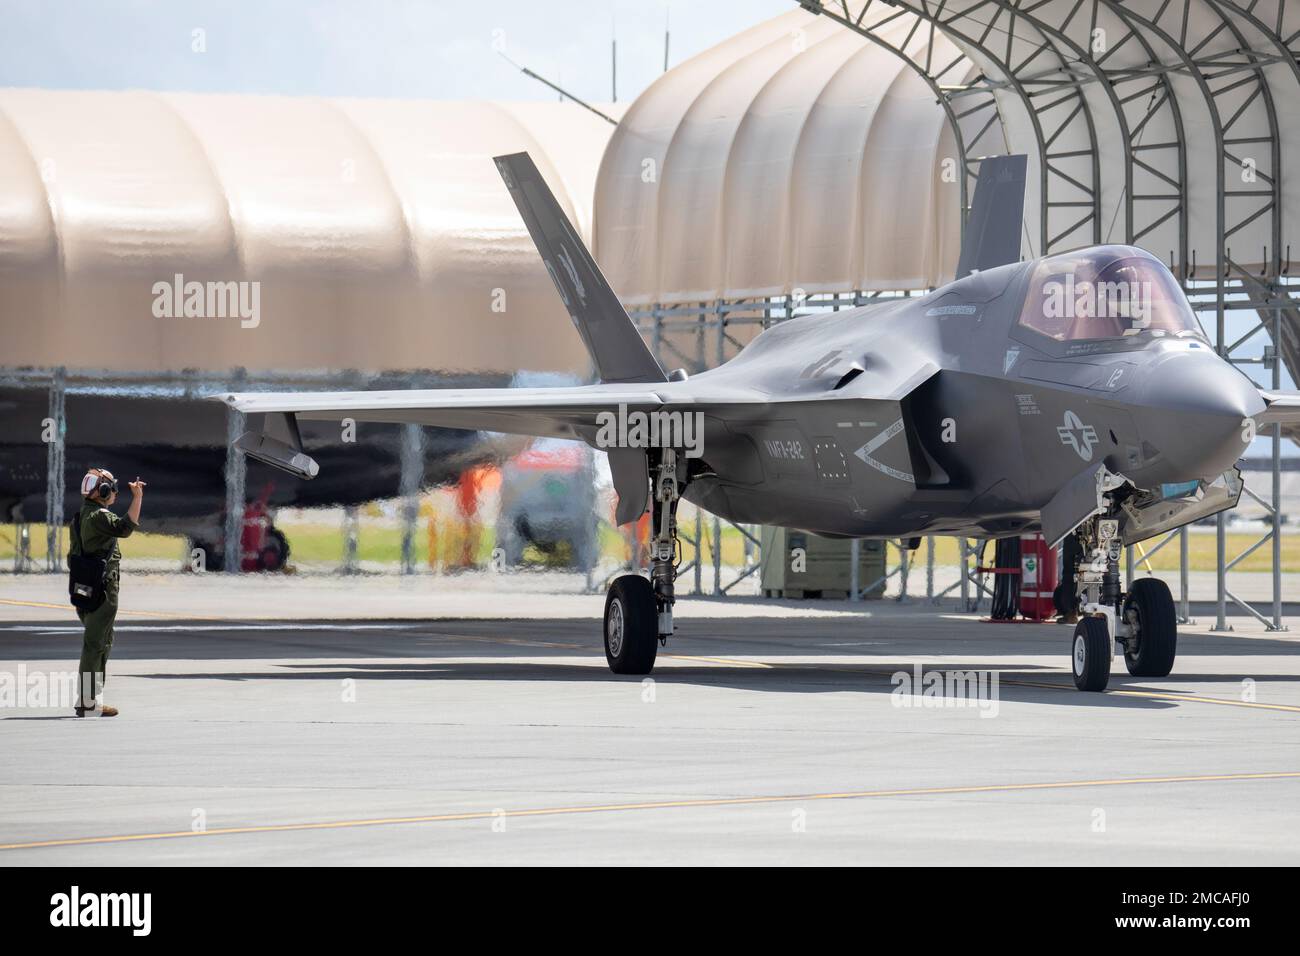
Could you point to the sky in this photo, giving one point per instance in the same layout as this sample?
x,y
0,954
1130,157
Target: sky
x,y
435,49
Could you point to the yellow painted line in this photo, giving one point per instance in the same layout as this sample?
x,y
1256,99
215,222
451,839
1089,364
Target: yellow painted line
x,y
656,805
1223,701
72,611
515,641
727,661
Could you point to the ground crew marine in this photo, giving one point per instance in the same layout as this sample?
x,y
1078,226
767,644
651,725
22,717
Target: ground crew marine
x,y
95,531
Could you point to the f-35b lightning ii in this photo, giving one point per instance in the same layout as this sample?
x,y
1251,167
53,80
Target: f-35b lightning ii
x,y
1074,393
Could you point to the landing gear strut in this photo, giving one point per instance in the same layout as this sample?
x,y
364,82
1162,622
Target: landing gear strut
x,y
639,612
1143,621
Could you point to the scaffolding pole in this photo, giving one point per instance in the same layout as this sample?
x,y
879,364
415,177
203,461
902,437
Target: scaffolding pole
x,y
412,462
351,540
929,567
236,478
55,464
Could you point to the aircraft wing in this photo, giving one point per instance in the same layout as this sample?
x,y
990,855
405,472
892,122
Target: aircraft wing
x,y
1281,408
542,412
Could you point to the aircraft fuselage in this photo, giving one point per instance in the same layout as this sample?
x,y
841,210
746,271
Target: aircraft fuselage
x,y
949,413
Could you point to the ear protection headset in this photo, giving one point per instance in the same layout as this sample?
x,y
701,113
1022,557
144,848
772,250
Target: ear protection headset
x,y
98,482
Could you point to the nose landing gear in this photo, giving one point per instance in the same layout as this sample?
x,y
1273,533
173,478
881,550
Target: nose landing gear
x,y
1090,654
639,611
1143,622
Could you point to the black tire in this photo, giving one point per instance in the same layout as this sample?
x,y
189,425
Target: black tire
x,y
1090,654
1149,610
275,551
631,625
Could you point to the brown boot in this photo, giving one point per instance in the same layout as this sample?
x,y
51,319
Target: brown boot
x,y
104,711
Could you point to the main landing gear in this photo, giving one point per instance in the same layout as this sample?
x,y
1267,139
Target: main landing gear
x,y
639,611
1143,622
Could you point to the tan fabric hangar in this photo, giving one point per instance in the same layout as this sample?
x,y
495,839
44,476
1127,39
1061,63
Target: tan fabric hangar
x,y
379,230
793,155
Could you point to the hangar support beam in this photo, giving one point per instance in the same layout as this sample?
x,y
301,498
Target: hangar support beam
x,y
1139,76
1204,66
1035,93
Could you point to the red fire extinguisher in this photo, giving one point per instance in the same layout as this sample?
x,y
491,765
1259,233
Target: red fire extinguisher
x,y
1038,578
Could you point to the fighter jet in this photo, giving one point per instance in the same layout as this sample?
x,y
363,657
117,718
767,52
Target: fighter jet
x,y
1072,394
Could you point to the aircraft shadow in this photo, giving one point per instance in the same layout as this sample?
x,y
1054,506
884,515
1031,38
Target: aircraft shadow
x,y
436,650
912,634
782,678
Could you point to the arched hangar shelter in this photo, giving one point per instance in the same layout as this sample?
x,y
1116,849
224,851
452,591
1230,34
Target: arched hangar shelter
x,y
378,231
806,159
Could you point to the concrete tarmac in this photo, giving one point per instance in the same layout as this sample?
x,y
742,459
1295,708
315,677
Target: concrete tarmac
x,y
765,735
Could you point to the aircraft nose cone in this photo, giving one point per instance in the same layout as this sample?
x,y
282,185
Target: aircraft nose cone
x,y
1196,413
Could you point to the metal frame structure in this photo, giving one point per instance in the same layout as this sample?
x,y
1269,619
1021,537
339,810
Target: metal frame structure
x,y
1030,76
190,384
1046,61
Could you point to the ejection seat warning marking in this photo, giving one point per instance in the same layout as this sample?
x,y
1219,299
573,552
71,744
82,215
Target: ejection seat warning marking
x,y
865,453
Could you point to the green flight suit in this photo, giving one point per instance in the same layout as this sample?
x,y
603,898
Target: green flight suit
x,y
100,529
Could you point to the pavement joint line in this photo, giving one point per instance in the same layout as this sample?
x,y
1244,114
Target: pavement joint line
x,y
728,661
653,805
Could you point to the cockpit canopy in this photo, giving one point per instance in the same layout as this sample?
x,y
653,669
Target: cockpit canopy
x,y
1106,292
